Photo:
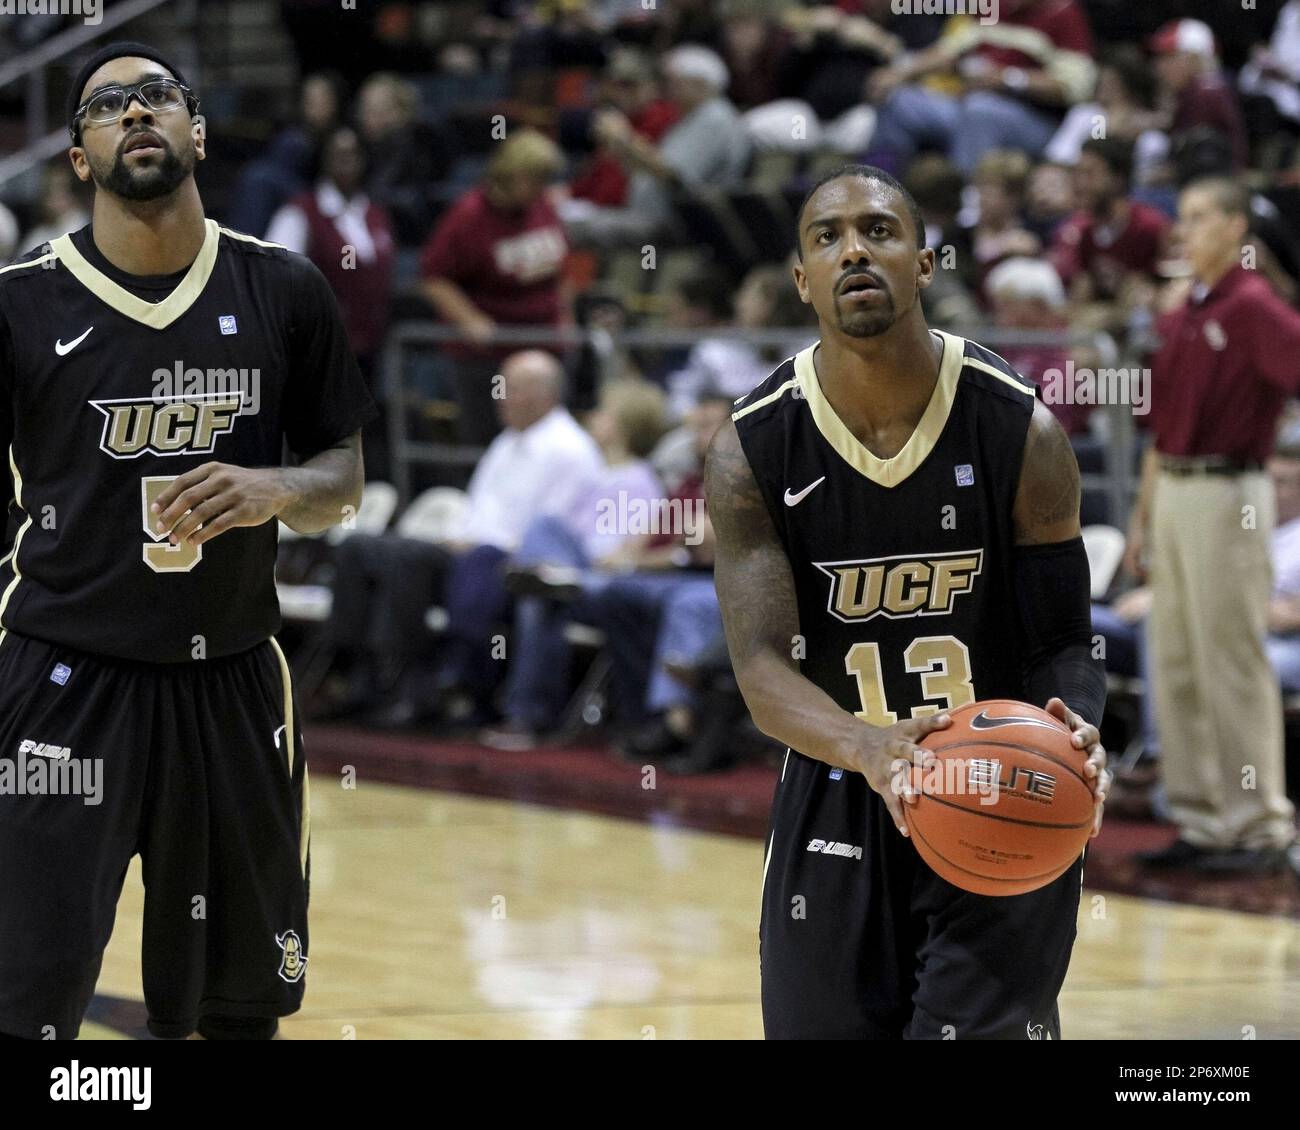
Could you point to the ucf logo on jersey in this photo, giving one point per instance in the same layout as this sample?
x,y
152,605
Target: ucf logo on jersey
x,y
898,587
169,425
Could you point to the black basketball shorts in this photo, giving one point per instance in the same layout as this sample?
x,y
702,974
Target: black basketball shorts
x,y
860,939
195,767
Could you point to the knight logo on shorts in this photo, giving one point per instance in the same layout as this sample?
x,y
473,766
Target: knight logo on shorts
x,y
1037,1031
294,962
832,847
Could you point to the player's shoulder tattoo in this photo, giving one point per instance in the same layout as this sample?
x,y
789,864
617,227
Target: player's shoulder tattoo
x,y
1049,487
729,483
750,557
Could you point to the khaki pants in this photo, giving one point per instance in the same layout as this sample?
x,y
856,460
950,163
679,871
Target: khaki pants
x,y
1218,706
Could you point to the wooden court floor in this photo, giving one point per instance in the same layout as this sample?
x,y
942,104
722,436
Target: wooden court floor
x,y
437,916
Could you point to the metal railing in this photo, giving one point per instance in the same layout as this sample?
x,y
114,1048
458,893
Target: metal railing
x,y
42,142
1117,480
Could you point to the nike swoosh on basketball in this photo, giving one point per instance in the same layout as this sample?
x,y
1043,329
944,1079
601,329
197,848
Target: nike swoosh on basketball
x,y
63,350
794,499
982,721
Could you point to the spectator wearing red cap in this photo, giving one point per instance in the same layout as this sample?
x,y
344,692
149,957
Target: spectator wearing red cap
x,y
1220,380
1194,87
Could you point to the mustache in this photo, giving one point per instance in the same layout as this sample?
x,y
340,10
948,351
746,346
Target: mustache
x,y
859,273
152,137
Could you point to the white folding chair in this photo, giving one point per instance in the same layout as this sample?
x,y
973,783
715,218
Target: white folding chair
x,y
434,515
378,504
1105,548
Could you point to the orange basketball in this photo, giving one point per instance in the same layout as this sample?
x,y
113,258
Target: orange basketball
x,y
1006,809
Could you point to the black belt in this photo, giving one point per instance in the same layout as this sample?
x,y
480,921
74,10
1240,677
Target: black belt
x,y
1208,465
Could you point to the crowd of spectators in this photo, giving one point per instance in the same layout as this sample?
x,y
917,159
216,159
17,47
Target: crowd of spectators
x,y
606,164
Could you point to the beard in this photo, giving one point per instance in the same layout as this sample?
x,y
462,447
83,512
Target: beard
x,y
144,182
866,321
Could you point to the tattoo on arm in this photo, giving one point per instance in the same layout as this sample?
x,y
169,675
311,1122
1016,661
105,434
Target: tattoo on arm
x,y
752,573
1047,500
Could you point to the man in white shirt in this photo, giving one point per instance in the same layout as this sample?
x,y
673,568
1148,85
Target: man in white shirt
x,y
539,465
542,463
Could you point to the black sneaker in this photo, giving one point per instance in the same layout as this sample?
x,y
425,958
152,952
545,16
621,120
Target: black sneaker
x,y
1178,854
650,742
556,582
1241,861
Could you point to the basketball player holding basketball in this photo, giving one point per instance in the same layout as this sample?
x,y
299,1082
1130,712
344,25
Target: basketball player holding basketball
x,y
153,366
897,519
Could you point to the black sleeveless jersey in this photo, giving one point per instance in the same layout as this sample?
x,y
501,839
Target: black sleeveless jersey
x,y
106,396
901,566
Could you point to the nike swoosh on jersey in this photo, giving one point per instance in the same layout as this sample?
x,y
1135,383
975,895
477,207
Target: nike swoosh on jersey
x,y
982,721
794,499
63,350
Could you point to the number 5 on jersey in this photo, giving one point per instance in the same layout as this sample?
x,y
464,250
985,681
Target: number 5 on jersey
x,y
159,554
942,662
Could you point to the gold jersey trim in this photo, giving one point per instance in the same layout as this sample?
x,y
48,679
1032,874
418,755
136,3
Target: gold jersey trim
x,y
792,383
304,825
155,315
49,256
251,238
12,555
993,371
886,472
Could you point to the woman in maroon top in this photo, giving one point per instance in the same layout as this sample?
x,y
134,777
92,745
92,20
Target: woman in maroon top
x,y
497,257
350,239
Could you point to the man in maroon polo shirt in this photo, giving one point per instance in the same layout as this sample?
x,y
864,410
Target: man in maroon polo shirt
x,y
1230,356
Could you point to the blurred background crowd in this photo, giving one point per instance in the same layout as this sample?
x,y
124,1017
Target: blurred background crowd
x,y
560,233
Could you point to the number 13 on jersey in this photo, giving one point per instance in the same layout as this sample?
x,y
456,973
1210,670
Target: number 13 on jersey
x,y
942,662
